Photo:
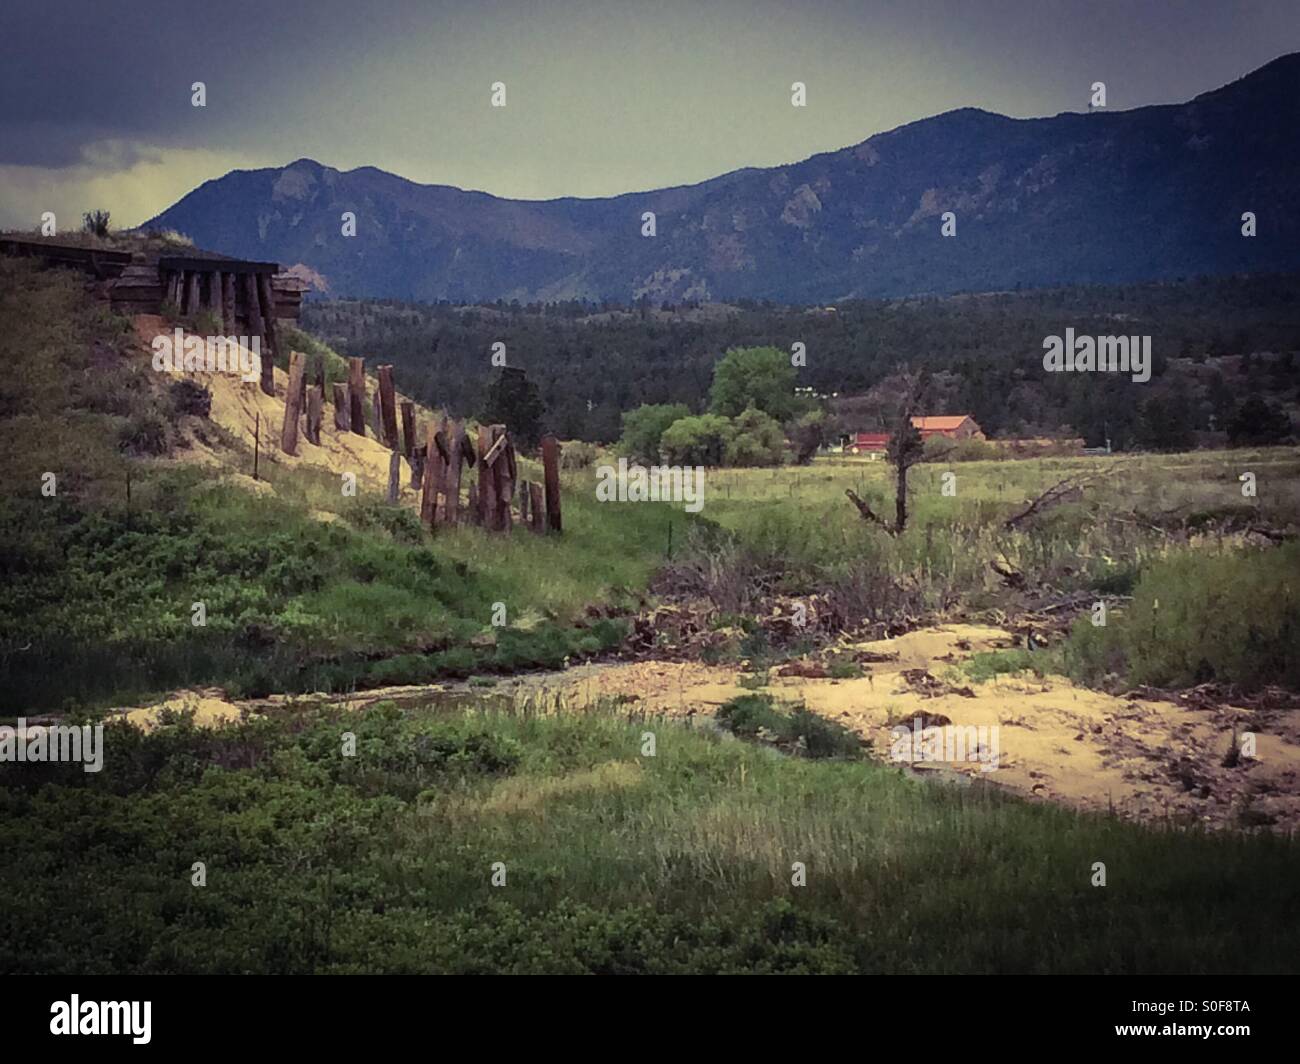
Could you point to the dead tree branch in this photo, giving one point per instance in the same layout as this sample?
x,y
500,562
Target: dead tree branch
x,y
1062,491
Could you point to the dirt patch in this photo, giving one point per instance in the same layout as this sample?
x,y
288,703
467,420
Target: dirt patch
x,y
1142,758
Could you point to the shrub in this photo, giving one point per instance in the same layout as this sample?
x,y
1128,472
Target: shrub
x,y
695,441
96,222
794,728
190,398
643,429
1232,617
143,434
756,441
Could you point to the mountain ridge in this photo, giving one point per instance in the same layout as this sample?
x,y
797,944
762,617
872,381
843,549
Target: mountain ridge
x,y
1148,193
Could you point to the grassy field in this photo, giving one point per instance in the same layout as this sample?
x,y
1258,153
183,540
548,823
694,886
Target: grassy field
x,y
613,861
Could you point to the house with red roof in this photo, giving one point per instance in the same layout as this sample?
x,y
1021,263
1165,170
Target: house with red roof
x,y
950,426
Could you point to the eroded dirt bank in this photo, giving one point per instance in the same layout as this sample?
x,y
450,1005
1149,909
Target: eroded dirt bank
x,y
1144,758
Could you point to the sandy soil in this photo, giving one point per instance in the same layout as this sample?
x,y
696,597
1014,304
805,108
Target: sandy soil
x,y
237,406
1144,759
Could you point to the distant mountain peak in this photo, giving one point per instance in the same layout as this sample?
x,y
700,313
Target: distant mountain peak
x,y
1117,196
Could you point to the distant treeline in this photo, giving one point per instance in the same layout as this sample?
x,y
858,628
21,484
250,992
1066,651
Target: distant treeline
x,y
593,362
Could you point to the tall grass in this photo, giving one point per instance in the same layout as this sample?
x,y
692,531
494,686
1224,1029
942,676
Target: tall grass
x,y
613,861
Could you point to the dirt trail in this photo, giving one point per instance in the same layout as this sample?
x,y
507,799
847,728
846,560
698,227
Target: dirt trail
x,y
1145,759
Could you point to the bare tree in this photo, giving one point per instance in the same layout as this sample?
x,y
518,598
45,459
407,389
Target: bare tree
x,y
903,451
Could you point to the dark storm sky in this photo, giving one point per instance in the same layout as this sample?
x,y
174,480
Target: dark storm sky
x,y
603,96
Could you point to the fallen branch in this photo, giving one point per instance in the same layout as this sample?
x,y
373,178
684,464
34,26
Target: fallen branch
x,y
1053,496
867,513
1013,578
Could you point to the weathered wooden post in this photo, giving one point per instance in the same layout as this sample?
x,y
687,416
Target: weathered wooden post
x,y
408,428
537,510
192,293
417,468
387,407
379,417
456,441
394,477
228,302
256,328
551,471
487,488
292,404
503,477
342,414
315,409
357,395
174,289
267,299
215,300
523,502
429,481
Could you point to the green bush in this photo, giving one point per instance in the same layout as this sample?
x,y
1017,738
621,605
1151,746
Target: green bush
x,y
1232,617
793,728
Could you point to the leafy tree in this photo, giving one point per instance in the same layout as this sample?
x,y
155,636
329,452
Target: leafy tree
x,y
514,401
1257,424
644,427
757,440
808,434
698,440
754,376
1166,424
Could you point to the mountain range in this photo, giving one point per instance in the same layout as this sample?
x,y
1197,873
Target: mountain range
x,y
1107,197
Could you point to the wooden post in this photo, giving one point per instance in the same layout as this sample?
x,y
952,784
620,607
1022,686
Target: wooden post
x,y
342,413
441,460
523,502
174,289
320,377
357,395
292,404
417,468
215,300
192,293
551,471
429,481
394,477
455,440
256,329
379,417
387,407
228,302
504,476
315,407
487,488
536,508
408,428
267,299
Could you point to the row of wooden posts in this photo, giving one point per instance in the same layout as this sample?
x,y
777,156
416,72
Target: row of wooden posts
x,y
436,463
223,293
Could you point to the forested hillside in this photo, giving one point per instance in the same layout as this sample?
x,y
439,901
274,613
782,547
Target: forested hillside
x,y
1216,343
